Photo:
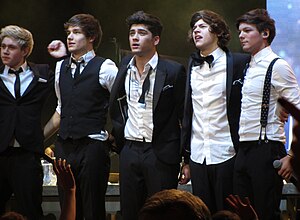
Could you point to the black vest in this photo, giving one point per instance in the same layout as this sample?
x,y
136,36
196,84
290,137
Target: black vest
x,y
84,102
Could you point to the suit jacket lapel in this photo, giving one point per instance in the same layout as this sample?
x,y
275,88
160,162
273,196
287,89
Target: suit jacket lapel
x,y
159,82
2,85
229,76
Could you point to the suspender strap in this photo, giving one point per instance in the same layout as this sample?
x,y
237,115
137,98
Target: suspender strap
x,y
266,100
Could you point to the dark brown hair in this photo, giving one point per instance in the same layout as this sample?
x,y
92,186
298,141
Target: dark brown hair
x,y
152,22
217,25
89,25
261,19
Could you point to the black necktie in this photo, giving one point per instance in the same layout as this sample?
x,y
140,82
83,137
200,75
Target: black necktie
x,y
199,60
17,86
77,70
146,87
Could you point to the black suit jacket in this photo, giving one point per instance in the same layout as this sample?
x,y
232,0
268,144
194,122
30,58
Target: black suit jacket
x,y
236,63
168,100
21,119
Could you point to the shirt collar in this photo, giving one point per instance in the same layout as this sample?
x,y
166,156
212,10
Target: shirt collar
x,y
152,62
217,53
24,67
86,57
261,54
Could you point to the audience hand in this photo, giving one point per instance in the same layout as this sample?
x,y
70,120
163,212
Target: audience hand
x,y
65,178
243,209
57,49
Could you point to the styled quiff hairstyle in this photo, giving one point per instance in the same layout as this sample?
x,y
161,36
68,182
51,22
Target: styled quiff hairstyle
x,y
89,25
21,35
152,22
217,26
261,19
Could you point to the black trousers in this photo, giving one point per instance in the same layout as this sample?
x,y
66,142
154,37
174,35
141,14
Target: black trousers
x,y
90,164
21,174
255,177
142,175
213,183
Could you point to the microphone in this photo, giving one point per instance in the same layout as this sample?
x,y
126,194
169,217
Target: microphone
x,y
277,165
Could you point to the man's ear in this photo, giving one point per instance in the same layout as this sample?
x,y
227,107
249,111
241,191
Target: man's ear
x,y
92,39
25,52
265,34
156,40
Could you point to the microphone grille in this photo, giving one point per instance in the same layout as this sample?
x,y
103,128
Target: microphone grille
x,y
277,164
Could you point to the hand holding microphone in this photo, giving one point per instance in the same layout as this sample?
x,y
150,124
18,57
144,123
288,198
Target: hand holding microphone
x,y
277,164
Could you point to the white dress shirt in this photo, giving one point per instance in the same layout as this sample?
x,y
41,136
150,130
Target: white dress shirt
x,y
283,84
210,136
107,75
25,79
139,124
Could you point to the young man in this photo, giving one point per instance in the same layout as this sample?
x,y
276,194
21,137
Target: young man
x,y
24,87
261,131
146,107
82,83
212,109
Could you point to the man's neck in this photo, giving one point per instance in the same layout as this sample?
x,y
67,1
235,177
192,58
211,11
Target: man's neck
x,y
140,61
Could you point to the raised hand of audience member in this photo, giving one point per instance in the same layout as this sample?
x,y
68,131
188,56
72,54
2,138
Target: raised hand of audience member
x,y
243,208
65,180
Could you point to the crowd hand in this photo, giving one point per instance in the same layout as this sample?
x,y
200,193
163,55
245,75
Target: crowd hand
x,y
243,208
57,49
49,152
65,178
184,175
295,146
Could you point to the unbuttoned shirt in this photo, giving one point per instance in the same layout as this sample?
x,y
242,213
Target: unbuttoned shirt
x,y
210,136
107,75
139,125
283,84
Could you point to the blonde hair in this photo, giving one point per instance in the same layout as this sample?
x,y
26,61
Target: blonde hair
x,y
21,35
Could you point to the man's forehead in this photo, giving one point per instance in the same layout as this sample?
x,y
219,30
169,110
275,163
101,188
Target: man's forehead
x,y
9,41
139,27
72,28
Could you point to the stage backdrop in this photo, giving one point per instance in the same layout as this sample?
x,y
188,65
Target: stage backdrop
x,y
286,43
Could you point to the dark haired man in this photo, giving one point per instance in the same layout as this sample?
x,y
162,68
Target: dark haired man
x,y
261,131
83,82
212,109
146,107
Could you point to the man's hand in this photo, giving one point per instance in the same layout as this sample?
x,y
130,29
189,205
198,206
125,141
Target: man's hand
x,y
49,152
65,178
57,49
184,175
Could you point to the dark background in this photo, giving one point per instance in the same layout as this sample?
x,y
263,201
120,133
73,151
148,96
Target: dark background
x,y
45,19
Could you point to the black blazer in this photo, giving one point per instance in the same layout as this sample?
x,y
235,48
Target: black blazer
x,y
236,63
22,118
168,100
